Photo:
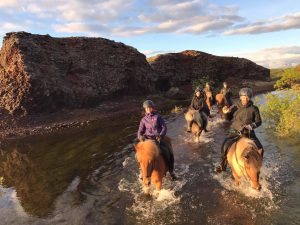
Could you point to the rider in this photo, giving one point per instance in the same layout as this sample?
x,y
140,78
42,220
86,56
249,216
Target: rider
x,y
153,127
208,90
198,103
246,118
226,92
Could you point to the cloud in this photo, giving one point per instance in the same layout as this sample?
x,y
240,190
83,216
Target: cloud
x,y
150,53
140,17
286,22
276,57
128,17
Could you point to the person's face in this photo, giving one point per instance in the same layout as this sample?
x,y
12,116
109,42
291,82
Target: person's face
x,y
148,109
225,85
244,99
198,93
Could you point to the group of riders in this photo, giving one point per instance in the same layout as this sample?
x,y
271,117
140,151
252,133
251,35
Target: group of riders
x,y
244,115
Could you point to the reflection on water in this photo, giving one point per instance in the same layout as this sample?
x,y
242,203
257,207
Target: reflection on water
x,y
90,176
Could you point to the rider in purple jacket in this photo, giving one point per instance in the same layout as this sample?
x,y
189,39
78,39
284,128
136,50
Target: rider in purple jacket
x,y
153,127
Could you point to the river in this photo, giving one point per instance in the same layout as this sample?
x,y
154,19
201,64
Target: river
x,y
90,176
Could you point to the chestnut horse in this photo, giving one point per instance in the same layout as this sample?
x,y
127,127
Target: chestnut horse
x,y
245,160
209,99
152,164
220,102
193,115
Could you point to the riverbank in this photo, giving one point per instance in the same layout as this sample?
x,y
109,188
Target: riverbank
x,y
18,127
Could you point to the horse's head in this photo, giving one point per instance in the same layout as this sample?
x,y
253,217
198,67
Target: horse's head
x,y
253,162
146,152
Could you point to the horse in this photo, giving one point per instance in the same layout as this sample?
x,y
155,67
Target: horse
x,y
220,101
245,160
193,115
152,164
209,99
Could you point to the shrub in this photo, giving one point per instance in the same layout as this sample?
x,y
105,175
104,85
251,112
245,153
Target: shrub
x,y
290,78
282,112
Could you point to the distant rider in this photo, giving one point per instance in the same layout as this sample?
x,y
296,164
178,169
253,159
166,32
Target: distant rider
x,y
198,103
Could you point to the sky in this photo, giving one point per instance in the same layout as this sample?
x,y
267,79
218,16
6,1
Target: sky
x,y
264,31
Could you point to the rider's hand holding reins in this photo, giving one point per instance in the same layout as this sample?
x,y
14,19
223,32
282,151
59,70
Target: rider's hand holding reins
x,y
158,138
226,109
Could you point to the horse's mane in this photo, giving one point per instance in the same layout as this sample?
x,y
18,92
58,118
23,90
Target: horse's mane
x,y
250,142
147,150
250,153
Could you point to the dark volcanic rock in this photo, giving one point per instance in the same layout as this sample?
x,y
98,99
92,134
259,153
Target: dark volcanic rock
x,y
39,73
175,69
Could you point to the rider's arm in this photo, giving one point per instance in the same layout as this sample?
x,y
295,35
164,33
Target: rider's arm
x,y
142,129
257,119
163,125
232,110
192,103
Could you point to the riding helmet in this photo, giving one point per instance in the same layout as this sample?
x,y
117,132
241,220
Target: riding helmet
x,y
148,104
246,92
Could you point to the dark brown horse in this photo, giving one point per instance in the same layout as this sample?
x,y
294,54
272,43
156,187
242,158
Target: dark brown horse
x,y
245,160
152,163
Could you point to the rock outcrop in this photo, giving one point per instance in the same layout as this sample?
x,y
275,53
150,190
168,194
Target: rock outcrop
x,y
176,69
39,73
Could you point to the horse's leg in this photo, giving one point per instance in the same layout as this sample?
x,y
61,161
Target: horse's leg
x,y
255,182
236,177
146,182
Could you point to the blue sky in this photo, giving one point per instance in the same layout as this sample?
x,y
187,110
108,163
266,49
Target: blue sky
x,y
266,32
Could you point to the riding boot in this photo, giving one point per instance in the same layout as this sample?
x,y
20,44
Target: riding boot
x,y
222,166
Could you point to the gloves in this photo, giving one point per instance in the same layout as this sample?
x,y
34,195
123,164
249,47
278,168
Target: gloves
x,y
142,138
248,127
158,138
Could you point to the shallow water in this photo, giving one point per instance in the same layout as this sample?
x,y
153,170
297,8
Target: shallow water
x,y
90,176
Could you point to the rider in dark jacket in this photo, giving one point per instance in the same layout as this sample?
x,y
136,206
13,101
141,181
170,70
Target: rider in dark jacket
x,y
245,118
198,103
152,126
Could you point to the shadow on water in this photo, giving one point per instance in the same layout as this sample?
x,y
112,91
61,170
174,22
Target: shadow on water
x,y
41,169
90,176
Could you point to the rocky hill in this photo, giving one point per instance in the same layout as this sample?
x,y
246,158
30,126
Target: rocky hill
x,y
176,69
39,73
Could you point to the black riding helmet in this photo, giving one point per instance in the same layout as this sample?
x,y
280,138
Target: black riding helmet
x,y
148,104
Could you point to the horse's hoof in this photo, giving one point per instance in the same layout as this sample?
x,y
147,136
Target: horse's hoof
x,y
147,190
156,194
236,183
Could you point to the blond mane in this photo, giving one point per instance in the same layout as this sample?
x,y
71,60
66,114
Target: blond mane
x,y
147,150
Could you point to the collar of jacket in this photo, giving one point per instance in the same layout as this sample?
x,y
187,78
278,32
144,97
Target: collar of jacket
x,y
250,103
